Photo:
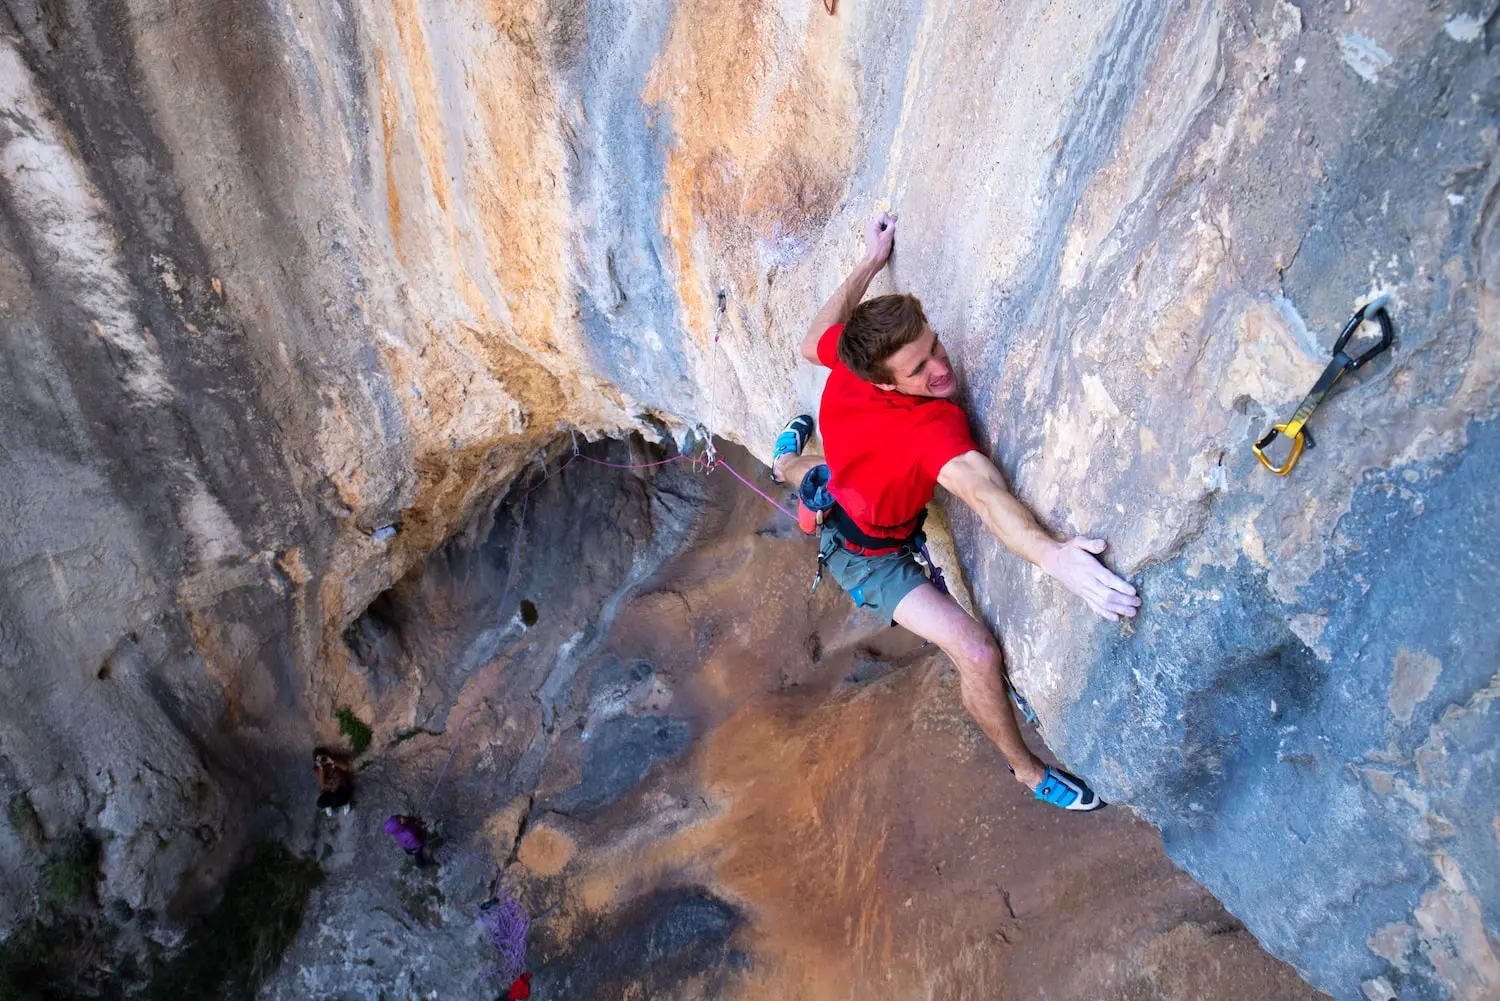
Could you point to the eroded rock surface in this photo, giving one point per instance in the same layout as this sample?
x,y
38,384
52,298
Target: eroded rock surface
x,y
727,805
291,292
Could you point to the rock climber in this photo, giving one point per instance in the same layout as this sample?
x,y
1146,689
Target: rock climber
x,y
335,786
411,834
891,434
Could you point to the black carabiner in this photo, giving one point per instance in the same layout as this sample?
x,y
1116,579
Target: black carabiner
x,y
1295,429
1387,334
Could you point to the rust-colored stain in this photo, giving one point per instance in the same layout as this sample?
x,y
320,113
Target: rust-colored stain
x,y
388,117
546,851
518,177
763,126
416,57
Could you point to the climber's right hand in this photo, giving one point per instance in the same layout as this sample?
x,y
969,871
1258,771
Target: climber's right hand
x,y
880,234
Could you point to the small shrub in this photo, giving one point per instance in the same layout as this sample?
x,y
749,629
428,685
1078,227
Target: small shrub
x,y
24,821
67,877
67,958
355,730
237,946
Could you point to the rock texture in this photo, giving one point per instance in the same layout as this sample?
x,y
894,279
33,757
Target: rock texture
x,y
291,292
720,788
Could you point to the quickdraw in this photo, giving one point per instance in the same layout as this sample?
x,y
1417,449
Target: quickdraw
x,y
711,457
1296,428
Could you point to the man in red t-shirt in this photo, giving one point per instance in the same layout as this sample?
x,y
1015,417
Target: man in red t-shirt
x,y
891,435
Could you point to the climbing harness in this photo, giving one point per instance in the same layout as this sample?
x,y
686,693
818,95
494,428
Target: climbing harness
x,y
1296,429
816,508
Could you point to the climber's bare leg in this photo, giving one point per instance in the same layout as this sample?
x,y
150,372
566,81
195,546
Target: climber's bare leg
x,y
939,619
790,469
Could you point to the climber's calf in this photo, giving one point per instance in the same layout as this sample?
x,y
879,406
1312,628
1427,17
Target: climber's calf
x,y
891,435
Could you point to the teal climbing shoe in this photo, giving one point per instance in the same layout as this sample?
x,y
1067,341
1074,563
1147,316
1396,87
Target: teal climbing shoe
x,y
793,438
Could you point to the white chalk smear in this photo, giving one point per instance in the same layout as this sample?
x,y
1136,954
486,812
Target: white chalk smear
x,y
1464,28
1364,55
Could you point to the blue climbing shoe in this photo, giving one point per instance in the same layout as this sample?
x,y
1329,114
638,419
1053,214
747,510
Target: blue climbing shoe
x,y
793,438
1067,792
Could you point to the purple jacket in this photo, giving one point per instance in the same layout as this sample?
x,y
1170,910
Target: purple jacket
x,y
408,831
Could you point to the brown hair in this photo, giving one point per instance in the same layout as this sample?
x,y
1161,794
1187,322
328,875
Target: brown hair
x,y
877,329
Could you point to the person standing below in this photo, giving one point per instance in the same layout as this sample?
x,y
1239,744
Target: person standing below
x,y
411,834
891,435
335,785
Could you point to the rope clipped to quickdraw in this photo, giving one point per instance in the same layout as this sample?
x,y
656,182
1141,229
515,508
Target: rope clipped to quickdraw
x,y
935,572
1296,428
711,457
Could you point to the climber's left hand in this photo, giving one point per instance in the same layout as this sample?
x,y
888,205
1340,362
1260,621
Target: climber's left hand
x,y
1076,566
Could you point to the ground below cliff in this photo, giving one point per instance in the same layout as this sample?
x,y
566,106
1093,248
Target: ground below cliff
x,y
723,787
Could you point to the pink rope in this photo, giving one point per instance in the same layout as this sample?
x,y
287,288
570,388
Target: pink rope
x,y
643,465
769,500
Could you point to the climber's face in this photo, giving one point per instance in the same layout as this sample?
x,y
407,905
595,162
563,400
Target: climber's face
x,y
921,368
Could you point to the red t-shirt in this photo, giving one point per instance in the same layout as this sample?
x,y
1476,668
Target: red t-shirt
x,y
884,449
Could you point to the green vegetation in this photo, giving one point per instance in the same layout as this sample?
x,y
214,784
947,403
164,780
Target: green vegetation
x,y
59,955
67,877
62,950
355,730
67,958
24,821
236,947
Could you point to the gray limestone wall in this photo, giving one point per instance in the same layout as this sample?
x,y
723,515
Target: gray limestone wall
x,y
290,293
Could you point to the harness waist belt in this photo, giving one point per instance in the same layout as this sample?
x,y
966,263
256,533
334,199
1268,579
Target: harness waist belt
x,y
857,540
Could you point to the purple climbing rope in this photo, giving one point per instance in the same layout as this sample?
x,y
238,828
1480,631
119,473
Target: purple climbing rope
x,y
937,571
505,925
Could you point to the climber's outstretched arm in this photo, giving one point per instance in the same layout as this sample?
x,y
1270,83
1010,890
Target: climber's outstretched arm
x,y
879,235
973,478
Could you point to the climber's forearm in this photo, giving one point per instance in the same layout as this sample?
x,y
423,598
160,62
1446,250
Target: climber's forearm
x,y
841,304
975,480
1075,564
1014,525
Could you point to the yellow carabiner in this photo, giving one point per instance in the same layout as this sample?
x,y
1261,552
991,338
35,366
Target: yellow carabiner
x,y
1291,460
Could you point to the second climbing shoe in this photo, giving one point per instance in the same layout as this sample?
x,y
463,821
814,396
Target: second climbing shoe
x,y
793,438
1066,791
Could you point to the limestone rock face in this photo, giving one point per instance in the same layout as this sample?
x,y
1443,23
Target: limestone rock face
x,y
292,292
704,783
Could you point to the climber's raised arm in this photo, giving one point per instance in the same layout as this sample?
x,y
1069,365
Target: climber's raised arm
x,y
891,433
879,235
973,479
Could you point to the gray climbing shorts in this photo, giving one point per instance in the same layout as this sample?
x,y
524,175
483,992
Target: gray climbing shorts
x,y
874,582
